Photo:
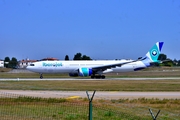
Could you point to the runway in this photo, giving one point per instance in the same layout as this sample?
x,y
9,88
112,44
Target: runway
x,y
98,94
51,79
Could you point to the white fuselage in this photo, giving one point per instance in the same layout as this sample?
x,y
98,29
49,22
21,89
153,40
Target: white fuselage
x,y
71,66
94,68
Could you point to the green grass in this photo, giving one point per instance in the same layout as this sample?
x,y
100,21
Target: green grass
x,y
5,69
149,72
143,74
30,75
99,85
124,109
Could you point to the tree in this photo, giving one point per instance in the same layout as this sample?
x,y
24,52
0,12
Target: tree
x,y
168,62
10,63
77,56
6,62
175,62
178,63
162,57
84,57
13,63
66,57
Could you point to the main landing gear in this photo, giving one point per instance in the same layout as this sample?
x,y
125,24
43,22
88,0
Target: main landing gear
x,y
41,76
98,77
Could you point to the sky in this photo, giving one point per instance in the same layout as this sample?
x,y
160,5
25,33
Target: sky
x,y
101,29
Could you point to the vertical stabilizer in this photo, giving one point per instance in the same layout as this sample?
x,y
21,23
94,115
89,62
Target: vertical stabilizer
x,y
154,52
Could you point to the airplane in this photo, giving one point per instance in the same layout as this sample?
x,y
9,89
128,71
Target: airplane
x,y
97,68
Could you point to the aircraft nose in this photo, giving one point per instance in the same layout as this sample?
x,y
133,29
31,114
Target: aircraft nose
x,y
27,67
31,67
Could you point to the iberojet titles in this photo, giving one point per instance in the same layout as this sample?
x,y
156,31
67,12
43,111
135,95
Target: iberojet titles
x,y
56,64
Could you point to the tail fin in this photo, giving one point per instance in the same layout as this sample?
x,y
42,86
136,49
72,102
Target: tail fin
x,y
154,52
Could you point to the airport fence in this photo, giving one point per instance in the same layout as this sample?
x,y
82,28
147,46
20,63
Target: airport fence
x,y
17,107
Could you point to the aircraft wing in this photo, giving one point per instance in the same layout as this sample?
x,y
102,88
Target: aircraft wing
x,y
104,67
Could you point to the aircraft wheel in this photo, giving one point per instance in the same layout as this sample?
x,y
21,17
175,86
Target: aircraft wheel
x,y
98,77
41,76
92,77
103,77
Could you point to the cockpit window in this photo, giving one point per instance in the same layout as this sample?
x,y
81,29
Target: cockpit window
x,y
32,65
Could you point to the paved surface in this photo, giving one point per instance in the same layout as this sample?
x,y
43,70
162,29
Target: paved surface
x,y
98,94
20,71
36,79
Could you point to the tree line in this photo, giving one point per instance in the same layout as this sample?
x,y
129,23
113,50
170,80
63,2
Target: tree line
x,y
12,63
78,56
167,61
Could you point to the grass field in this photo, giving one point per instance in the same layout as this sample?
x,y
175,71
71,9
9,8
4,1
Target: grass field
x,y
38,109
149,72
99,85
5,69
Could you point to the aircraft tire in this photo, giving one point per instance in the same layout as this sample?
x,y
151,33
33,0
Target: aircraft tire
x,y
98,77
92,77
103,77
41,76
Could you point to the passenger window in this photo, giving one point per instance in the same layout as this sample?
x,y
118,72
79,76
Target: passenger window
x,y
31,64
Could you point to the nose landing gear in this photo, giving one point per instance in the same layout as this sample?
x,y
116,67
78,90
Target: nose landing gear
x,y
41,76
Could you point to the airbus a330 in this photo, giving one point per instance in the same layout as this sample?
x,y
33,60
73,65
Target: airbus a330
x,y
97,68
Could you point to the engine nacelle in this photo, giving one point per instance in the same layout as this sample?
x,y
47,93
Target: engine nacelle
x,y
85,72
73,74
107,71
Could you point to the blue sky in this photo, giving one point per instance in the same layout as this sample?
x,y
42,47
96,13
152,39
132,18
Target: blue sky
x,y
101,29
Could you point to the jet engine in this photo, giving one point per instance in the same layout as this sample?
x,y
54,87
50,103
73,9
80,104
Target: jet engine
x,y
85,72
73,74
